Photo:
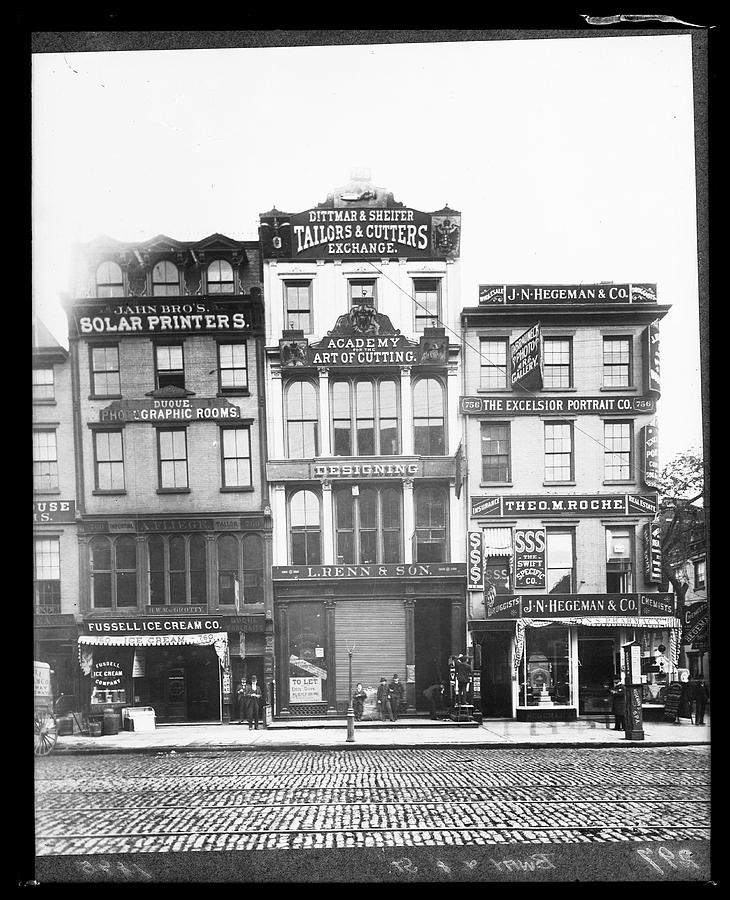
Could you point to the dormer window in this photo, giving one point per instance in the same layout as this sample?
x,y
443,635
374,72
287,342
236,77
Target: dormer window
x,y
220,277
165,279
109,281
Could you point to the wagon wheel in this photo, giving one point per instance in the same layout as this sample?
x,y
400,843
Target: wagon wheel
x,y
44,733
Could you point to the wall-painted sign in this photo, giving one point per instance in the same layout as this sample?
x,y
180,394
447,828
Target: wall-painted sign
x,y
366,470
358,232
696,622
173,625
536,406
529,557
496,576
384,570
305,690
490,294
475,561
107,673
364,337
653,358
54,511
653,552
565,504
184,409
526,359
649,442
229,523
169,316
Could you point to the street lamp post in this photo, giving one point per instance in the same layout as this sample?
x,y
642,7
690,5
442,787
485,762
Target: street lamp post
x,y
350,710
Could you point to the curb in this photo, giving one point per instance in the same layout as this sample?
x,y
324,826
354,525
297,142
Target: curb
x,y
478,745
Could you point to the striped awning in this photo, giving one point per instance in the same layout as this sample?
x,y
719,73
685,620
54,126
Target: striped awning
x,y
497,541
216,639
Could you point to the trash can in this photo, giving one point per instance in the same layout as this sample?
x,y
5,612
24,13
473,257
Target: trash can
x,y
110,722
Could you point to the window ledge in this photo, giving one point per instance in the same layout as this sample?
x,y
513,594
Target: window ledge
x,y
558,483
44,402
502,390
108,493
626,387
37,491
104,397
242,393
173,490
630,483
236,490
495,484
558,390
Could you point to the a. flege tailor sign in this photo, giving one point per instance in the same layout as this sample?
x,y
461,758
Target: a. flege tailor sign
x,y
202,316
565,504
526,359
530,557
496,405
493,294
358,232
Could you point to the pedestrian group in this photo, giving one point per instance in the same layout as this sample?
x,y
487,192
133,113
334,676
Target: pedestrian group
x,y
249,698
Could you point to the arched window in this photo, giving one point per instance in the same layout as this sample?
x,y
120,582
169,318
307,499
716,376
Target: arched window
x,y
305,528
165,279
364,417
109,281
368,525
220,277
431,537
253,569
301,420
428,417
229,576
113,572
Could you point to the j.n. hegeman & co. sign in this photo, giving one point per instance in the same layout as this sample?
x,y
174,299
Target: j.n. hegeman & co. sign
x,y
567,293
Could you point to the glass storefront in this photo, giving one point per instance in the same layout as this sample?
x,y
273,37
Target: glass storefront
x,y
545,669
307,653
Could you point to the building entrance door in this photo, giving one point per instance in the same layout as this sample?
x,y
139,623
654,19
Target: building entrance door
x,y
596,667
175,695
496,677
432,632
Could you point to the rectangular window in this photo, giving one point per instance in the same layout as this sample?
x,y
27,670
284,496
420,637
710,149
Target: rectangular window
x,y
236,457
496,451
47,575
169,366
558,451
105,371
432,516
557,362
700,568
43,385
173,457
45,461
298,305
617,455
365,417
368,525
232,367
560,561
616,362
363,293
426,302
493,363
619,559
109,460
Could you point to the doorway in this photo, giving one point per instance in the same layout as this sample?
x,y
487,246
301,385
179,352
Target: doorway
x,y
432,634
496,677
596,669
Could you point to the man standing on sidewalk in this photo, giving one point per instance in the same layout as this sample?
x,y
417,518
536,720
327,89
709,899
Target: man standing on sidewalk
x,y
396,696
383,698
253,698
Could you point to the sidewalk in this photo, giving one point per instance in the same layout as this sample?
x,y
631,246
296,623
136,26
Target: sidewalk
x,y
406,733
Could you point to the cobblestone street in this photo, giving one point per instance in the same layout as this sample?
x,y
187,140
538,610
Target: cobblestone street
x,y
344,799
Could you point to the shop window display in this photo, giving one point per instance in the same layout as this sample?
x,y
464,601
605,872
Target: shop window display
x,y
307,654
545,669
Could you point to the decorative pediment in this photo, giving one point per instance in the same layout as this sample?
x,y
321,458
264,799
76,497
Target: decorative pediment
x,y
170,392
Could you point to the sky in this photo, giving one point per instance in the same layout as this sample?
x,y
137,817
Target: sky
x,y
571,160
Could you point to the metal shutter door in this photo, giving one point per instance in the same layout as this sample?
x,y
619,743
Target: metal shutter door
x,y
378,628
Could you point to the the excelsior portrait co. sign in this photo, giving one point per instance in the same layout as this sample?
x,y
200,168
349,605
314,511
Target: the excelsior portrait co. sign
x,y
184,409
201,316
492,294
565,504
535,406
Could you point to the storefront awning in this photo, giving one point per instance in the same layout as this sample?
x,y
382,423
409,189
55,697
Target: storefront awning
x,y
217,639
497,541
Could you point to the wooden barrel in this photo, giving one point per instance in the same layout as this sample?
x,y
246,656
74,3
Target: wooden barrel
x,y
110,722
94,728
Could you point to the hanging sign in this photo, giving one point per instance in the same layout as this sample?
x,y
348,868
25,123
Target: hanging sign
x,y
649,442
652,358
475,562
530,558
526,359
653,552
696,622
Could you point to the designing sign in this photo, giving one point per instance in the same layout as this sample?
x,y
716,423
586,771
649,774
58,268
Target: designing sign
x,y
535,406
565,504
358,470
491,294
